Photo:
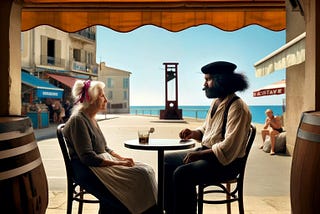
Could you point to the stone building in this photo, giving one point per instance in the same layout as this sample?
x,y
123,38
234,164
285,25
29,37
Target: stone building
x,y
117,88
59,57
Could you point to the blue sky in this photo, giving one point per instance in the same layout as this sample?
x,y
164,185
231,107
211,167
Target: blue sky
x,y
144,50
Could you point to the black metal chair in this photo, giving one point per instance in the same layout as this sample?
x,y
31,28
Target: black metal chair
x,y
74,191
224,186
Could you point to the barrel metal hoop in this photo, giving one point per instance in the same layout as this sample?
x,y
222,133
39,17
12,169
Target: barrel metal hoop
x,y
311,119
20,170
18,150
21,125
15,134
308,136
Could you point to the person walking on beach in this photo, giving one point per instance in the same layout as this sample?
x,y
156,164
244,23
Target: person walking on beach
x,y
121,184
221,147
274,123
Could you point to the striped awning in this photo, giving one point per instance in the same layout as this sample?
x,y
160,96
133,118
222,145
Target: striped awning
x,y
43,89
173,15
66,80
292,53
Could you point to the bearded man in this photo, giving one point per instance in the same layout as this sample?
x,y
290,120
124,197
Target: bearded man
x,y
221,147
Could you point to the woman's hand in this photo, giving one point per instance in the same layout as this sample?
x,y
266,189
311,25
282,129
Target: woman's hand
x,y
127,163
129,160
123,161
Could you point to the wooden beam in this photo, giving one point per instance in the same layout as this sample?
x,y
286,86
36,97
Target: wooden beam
x,y
10,60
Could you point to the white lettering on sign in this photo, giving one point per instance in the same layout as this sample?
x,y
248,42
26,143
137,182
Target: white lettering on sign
x,y
266,92
50,93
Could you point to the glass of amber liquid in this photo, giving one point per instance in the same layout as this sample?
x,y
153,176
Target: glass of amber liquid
x,y
143,136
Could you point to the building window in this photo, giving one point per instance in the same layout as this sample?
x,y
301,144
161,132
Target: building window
x,y
110,83
77,55
125,95
110,95
125,83
117,105
51,51
90,58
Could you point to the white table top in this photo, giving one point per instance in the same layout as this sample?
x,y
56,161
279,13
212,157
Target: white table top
x,y
160,144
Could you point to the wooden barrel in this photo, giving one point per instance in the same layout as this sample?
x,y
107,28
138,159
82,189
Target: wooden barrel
x,y
305,169
23,182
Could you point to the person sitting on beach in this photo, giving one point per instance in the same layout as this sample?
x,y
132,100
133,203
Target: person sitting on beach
x,y
272,127
220,153
121,184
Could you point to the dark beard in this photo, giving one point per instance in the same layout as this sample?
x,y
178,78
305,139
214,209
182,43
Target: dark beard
x,y
214,92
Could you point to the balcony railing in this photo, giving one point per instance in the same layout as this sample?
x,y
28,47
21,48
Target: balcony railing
x,y
84,67
88,34
52,61
84,35
78,66
94,69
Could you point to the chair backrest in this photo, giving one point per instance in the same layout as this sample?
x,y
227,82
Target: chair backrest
x,y
251,137
64,149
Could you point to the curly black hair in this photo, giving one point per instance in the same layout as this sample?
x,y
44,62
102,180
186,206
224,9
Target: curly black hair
x,y
230,83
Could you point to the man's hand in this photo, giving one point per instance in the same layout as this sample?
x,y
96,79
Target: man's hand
x,y
185,134
192,156
268,121
197,155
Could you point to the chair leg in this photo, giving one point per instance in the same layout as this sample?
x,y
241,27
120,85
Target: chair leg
x,y
200,199
228,197
80,202
240,199
240,202
69,200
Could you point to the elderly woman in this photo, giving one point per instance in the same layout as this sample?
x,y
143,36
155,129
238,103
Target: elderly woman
x,y
121,184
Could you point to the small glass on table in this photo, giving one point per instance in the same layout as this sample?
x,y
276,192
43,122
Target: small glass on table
x,y
144,134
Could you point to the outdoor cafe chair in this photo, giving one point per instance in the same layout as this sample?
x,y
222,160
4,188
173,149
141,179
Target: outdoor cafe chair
x,y
74,191
224,186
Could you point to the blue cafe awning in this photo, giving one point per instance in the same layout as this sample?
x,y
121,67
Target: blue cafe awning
x,y
43,88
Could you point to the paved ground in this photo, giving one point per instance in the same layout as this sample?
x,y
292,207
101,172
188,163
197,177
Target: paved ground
x,y
267,178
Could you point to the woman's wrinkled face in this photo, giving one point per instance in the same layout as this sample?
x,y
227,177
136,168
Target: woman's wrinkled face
x,y
101,101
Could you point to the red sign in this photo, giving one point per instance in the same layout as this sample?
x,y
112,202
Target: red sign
x,y
267,92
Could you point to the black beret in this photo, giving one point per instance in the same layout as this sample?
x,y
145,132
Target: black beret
x,y
219,67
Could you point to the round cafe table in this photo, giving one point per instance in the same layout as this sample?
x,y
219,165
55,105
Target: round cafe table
x,y
160,145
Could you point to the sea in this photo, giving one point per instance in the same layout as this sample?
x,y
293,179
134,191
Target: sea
x,y
200,112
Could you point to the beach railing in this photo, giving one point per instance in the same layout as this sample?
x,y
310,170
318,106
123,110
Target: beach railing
x,y
195,113
187,113
150,112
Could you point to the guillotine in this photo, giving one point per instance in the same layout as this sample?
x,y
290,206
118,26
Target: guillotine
x,y
171,110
